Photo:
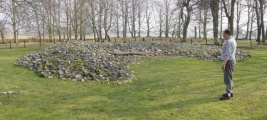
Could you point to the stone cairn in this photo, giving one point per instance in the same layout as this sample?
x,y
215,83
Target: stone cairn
x,y
83,61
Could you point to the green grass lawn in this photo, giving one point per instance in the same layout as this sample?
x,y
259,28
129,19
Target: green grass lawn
x,y
171,88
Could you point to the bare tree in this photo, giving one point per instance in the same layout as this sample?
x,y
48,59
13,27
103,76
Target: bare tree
x,y
36,5
148,14
139,14
180,21
125,16
92,18
259,23
78,18
75,23
230,16
214,5
118,17
2,31
108,14
240,7
83,18
58,14
249,12
68,17
188,5
99,20
167,11
203,16
133,16
48,5
262,2
14,20
205,22
158,16
221,19
3,22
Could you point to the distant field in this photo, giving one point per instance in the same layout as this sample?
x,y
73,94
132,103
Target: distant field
x,y
33,41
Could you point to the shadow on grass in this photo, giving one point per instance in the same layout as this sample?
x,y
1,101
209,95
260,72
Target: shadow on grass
x,y
260,118
122,105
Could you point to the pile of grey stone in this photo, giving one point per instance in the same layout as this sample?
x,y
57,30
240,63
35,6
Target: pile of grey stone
x,y
82,61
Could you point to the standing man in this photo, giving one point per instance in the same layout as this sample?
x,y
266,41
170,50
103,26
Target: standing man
x,y
229,61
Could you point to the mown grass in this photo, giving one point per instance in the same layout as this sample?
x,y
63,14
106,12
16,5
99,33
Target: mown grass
x,y
170,88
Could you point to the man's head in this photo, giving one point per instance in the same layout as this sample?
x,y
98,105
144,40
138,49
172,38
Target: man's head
x,y
227,33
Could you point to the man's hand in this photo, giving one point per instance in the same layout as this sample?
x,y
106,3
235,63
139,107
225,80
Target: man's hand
x,y
226,57
223,66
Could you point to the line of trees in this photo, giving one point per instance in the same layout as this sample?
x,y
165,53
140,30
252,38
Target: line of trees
x,y
76,19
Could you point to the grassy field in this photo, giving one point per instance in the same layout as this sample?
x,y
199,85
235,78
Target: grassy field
x,y
171,88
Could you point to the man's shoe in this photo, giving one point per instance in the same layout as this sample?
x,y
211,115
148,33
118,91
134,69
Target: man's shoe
x,y
232,95
225,98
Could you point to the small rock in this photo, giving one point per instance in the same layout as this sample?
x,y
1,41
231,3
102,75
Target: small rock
x,y
7,93
10,92
4,93
44,74
60,72
78,76
119,83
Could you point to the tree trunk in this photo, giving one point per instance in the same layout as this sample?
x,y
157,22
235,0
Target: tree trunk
x,y
93,21
230,16
187,20
133,18
38,23
3,37
160,22
148,28
167,7
68,20
258,23
117,25
179,25
251,22
195,31
75,21
147,15
14,22
50,26
237,19
2,33
125,19
205,24
199,31
248,22
49,23
139,19
117,20
43,25
215,14
221,21
262,20
54,13
81,22
106,19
